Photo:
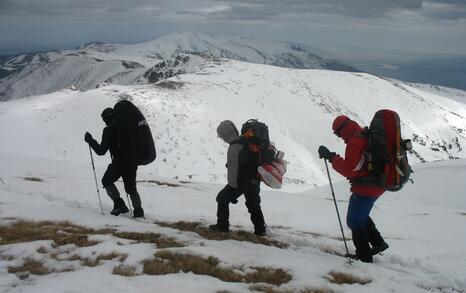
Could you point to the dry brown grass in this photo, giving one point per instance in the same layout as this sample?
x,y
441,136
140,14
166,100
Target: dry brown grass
x,y
71,258
30,266
345,278
157,239
167,262
95,262
32,178
125,271
239,235
316,290
92,262
63,233
270,289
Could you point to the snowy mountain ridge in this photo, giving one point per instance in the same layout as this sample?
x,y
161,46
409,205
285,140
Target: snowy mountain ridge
x,y
184,111
148,62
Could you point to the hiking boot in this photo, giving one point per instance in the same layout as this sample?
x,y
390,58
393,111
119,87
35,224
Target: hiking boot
x,y
217,228
119,207
260,230
379,248
119,210
138,213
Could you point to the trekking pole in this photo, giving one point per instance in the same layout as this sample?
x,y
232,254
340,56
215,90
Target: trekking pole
x,y
338,213
95,177
129,204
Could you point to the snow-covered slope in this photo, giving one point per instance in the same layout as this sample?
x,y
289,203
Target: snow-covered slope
x,y
95,63
423,224
454,94
298,105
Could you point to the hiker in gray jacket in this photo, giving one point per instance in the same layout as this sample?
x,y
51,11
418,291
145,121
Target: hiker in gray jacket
x,y
242,177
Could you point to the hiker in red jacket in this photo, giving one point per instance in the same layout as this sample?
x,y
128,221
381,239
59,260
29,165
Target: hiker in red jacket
x,y
364,194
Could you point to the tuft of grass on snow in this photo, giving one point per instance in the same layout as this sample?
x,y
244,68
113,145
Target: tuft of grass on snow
x,y
29,266
346,278
169,84
126,271
95,262
239,235
32,178
167,262
268,289
92,262
316,290
159,240
271,289
61,233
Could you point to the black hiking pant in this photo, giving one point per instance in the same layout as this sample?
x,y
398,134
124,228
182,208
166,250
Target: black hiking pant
x,y
127,171
229,194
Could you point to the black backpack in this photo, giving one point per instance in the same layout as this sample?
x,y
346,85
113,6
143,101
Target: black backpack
x,y
134,135
257,137
387,159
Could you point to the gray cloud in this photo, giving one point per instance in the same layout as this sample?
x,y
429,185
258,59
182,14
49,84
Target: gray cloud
x,y
444,9
245,10
365,9
422,24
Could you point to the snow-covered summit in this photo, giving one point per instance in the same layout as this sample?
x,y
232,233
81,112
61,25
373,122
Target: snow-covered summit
x,y
148,62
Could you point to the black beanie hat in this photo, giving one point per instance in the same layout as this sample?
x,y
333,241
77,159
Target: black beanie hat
x,y
107,115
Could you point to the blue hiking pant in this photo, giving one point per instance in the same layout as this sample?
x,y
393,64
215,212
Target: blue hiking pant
x,y
358,211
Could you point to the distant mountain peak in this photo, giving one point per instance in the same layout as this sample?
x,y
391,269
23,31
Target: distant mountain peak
x,y
97,62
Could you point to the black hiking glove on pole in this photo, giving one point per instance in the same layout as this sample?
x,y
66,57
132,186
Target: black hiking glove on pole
x,y
87,137
324,153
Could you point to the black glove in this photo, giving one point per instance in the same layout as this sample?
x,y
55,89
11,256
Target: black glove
x,y
324,153
88,137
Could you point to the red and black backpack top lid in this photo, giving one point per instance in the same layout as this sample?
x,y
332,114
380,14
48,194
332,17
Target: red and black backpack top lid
x,y
256,132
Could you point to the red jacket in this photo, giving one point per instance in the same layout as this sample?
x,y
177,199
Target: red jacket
x,y
353,166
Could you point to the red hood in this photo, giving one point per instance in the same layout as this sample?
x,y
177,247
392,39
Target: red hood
x,y
350,130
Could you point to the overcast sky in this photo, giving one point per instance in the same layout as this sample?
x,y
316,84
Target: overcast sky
x,y
435,26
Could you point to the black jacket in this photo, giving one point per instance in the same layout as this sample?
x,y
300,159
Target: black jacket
x,y
109,142
242,164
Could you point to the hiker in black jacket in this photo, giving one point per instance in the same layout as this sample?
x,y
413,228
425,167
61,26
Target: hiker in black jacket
x,y
119,167
242,179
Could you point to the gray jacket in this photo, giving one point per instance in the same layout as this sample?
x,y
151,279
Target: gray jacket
x,y
229,133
